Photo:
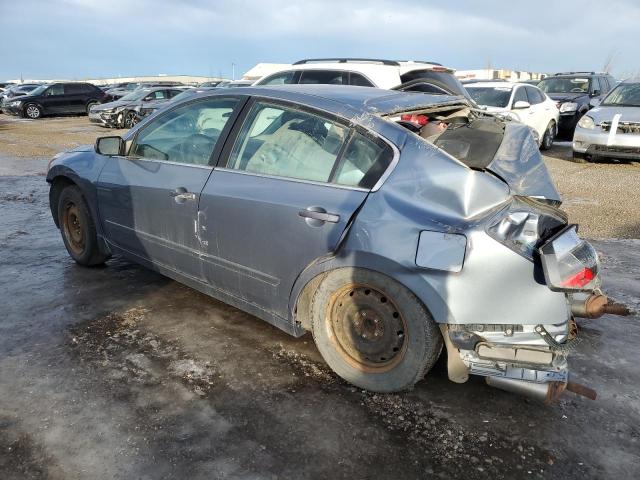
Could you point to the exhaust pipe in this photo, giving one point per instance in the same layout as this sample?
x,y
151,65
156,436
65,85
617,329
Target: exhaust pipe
x,y
543,392
596,305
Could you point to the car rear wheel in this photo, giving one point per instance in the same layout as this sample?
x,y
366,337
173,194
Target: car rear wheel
x,y
549,136
77,228
90,105
32,111
372,331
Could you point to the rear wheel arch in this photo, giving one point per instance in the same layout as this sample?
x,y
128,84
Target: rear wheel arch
x,y
309,280
372,330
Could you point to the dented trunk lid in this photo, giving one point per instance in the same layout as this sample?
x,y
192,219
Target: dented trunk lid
x,y
506,149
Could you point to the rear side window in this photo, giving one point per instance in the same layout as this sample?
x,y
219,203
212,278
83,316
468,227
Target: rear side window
x,y
359,80
57,89
363,163
73,89
595,85
322,77
286,142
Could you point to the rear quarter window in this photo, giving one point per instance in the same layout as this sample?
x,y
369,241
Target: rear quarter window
x,y
364,161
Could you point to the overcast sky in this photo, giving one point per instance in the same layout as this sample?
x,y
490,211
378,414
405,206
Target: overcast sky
x,y
104,38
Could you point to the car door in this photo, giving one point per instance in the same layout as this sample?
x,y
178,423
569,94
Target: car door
x,y
73,98
539,112
287,185
148,199
53,98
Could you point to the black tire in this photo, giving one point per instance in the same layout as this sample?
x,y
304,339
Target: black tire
x,y
549,136
32,111
78,229
91,104
130,119
372,331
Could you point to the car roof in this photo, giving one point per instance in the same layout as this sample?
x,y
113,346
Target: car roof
x,y
494,84
338,98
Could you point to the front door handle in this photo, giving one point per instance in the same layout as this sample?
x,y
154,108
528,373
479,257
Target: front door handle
x,y
181,195
316,216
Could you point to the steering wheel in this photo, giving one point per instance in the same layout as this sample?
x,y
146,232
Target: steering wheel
x,y
577,90
195,149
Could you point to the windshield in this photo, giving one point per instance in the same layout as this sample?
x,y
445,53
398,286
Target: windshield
x,y
624,95
490,96
135,95
185,94
564,85
39,90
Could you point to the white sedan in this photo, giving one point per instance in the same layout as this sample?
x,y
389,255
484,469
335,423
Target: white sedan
x,y
522,102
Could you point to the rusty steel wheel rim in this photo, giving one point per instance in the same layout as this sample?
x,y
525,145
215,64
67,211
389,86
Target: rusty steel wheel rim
x,y
74,233
367,328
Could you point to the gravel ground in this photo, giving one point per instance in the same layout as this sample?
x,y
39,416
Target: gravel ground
x,y
603,198
118,372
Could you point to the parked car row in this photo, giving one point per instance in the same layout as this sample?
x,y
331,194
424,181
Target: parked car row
x,y
129,109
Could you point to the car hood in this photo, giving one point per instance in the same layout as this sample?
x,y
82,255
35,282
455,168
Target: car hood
x,y
565,97
112,105
519,163
606,113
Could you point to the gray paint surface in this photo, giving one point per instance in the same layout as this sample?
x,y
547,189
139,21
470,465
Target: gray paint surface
x,y
242,240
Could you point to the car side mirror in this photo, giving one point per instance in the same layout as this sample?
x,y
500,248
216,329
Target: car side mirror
x,y
595,93
595,102
110,146
521,104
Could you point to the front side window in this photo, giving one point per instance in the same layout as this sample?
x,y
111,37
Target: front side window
x,y
157,95
57,89
564,85
322,77
187,134
535,96
520,96
287,142
283,78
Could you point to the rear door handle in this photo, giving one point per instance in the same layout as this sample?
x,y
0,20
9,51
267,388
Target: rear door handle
x,y
319,214
181,195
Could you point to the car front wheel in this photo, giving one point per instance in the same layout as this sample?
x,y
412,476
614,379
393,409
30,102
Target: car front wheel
x,y
32,111
372,331
549,136
77,228
130,119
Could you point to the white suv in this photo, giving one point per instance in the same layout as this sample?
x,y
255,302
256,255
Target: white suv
x,y
414,76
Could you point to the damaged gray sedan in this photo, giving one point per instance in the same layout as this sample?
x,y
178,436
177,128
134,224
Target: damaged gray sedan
x,y
125,112
387,224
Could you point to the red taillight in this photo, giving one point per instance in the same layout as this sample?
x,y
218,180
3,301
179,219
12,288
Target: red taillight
x,y
580,279
417,119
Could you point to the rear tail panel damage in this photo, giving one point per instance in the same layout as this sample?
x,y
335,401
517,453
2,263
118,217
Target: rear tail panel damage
x,y
504,297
